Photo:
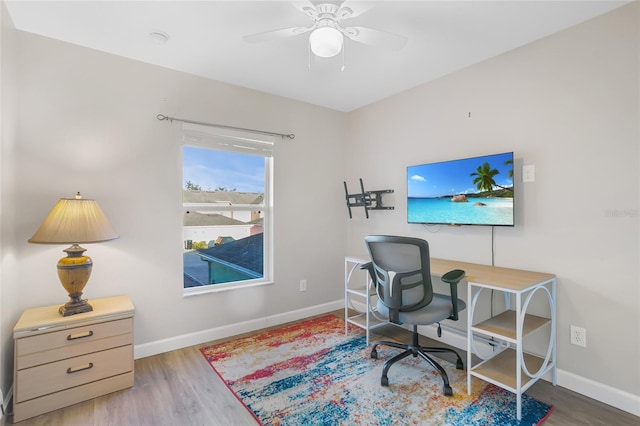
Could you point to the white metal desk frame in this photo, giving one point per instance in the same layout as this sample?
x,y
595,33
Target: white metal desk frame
x,y
371,319
508,327
548,287
480,277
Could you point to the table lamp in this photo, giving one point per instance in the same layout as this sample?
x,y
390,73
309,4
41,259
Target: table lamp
x,y
74,221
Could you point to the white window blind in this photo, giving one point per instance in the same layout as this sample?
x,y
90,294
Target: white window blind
x,y
228,140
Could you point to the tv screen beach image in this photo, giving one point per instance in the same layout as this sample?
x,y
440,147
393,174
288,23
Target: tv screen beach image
x,y
470,191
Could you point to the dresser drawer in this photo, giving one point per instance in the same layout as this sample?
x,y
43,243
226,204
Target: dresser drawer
x,y
57,354
56,376
34,407
72,336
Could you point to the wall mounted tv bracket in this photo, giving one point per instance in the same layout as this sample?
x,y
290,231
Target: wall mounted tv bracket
x,y
370,200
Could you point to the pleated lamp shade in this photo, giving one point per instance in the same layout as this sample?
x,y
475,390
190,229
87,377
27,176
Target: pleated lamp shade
x,y
74,220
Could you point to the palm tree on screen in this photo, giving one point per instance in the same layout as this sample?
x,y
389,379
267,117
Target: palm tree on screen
x,y
509,163
484,178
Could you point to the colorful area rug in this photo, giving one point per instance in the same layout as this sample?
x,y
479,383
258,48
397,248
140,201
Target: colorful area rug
x,y
310,373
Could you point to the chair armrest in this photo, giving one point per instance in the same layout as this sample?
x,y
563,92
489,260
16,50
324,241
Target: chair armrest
x,y
453,278
369,267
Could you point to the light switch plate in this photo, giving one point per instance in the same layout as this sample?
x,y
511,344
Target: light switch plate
x,y
528,173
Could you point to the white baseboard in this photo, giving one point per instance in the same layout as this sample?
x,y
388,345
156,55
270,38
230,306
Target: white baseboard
x,y
624,401
190,339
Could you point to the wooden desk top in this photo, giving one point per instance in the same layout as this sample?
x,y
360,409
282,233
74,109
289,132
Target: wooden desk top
x,y
490,276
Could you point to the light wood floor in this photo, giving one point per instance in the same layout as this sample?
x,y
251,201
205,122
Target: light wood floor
x,y
181,388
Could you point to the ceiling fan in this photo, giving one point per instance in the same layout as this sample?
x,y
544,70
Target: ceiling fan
x,y
327,32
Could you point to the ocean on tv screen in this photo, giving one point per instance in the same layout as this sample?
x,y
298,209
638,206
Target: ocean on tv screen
x,y
476,211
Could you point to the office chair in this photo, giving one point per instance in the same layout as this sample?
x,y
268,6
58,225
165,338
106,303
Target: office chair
x,y
400,270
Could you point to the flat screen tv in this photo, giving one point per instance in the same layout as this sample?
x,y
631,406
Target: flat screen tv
x,y
469,191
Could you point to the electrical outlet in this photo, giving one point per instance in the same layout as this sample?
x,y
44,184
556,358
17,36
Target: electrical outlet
x,y
578,336
303,285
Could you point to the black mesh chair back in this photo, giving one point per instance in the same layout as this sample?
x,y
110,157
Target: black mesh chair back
x,y
405,260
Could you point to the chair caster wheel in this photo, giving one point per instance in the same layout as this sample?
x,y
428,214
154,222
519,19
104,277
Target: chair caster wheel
x,y
447,390
374,354
459,365
384,381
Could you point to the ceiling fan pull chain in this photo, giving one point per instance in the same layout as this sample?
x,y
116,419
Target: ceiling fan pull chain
x,y
309,55
344,46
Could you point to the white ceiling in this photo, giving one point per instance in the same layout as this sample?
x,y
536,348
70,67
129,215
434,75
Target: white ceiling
x,y
206,39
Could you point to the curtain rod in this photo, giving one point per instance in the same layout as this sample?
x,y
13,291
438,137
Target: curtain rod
x,y
162,117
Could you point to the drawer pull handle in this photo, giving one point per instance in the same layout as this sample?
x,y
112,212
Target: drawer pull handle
x,y
80,335
76,369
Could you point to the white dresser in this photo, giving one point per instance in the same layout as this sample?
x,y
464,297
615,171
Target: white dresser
x,y
60,361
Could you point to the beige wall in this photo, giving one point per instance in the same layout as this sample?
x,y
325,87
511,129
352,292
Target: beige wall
x,y
86,122
568,105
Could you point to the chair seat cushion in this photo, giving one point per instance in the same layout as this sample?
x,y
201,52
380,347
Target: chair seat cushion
x,y
439,309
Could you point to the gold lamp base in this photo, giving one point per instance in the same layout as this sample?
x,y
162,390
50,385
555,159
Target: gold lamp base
x,y
74,272
75,306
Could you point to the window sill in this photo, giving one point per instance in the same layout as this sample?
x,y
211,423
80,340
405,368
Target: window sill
x,y
217,288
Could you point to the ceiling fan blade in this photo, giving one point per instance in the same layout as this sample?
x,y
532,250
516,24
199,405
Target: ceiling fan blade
x,y
276,34
301,5
356,8
376,37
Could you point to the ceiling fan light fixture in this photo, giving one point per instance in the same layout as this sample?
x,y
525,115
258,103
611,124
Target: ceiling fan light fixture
x,y
326,42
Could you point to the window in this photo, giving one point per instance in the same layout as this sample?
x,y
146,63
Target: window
x,y
227,209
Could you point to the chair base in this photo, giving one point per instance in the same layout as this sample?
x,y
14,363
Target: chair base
x,y
416,350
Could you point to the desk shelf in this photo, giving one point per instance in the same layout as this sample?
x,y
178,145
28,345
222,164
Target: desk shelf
x,y
359,289
360,320
501,370
503,326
